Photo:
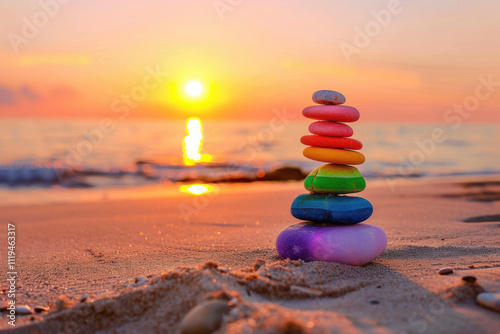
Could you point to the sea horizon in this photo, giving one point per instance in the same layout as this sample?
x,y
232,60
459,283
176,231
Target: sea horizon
x,y
82,153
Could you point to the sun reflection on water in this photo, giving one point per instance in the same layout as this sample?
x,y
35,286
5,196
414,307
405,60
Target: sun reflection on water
x,y
196,189
193,143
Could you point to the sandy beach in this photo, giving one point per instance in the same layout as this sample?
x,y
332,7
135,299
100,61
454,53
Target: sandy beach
x,y
100,247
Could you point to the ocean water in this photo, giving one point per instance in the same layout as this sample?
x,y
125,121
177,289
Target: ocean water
x,y
77,153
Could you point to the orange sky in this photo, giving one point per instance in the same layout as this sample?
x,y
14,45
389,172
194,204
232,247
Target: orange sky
x,y
416,62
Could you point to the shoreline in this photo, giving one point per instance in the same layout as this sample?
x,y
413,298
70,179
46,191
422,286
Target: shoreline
x,y
22,196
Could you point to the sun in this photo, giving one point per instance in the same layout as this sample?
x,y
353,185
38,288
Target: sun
x,y
194,88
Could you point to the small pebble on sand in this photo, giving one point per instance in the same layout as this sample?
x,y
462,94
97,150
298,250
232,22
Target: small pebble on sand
x,y
85,297
489,300
204,318
445,271
23,310
469,279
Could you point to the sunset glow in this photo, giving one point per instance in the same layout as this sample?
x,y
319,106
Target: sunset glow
x,y
242,68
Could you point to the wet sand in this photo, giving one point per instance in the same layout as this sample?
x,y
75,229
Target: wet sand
x,y
99,247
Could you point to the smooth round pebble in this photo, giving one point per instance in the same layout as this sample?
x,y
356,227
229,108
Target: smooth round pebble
x,y
329,128
445,271
489,300
335,142
334,155
332,113
84,298
346,210
24,310
335,179
328,97
469,279
354,245
205,317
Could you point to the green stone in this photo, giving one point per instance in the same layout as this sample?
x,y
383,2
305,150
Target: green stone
x,y
335,179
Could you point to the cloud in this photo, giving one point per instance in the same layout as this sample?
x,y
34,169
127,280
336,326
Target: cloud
x,y
12,96
7,96
28,93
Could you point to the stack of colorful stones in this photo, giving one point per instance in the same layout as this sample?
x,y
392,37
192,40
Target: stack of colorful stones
x,y
332,231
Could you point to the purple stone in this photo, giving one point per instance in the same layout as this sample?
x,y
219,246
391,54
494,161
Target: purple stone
x,y
348,244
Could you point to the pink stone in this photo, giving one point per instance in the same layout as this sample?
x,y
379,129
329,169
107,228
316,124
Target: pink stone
x,y
331,129
332,113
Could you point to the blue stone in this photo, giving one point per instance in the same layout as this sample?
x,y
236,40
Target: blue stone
x,y
345,210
